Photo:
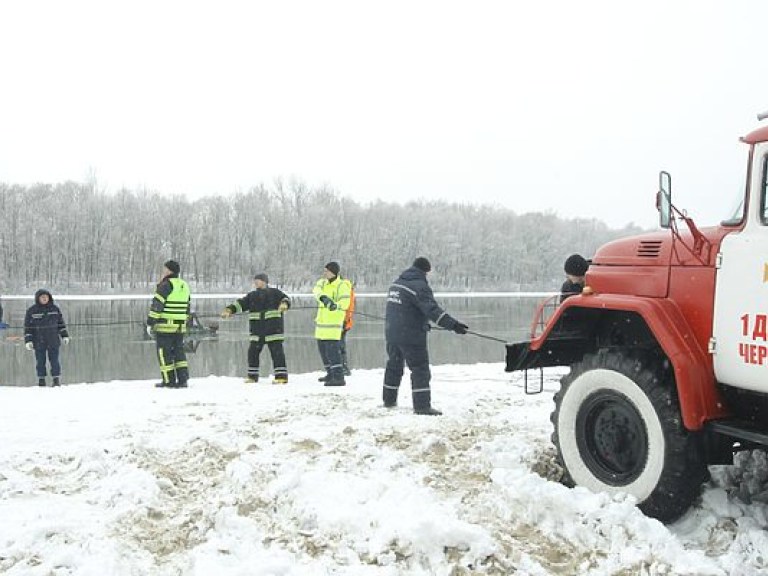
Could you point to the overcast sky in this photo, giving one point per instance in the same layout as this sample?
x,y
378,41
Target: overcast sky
x,y
566,106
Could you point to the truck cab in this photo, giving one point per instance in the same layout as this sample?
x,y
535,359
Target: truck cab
x,y
668,352
739,343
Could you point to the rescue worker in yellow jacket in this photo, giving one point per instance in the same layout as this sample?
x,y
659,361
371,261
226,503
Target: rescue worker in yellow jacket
x,y
332,293
167,319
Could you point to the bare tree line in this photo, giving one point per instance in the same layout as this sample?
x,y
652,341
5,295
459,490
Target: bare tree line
x,y
74,237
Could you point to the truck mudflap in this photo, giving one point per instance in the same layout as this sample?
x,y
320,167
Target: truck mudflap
x,y
557,350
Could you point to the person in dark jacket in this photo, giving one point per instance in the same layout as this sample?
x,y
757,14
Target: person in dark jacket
x,y
265,307
575,272
167,319
410,307
44,331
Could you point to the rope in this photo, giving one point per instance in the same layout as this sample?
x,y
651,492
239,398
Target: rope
x,y
355,312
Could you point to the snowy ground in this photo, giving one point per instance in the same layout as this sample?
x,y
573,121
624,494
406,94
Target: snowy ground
x,y
232,479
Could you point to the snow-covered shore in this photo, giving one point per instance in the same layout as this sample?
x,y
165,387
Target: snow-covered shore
x,y
225,478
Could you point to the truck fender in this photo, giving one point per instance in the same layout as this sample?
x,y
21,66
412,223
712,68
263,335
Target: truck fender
x,y
699,399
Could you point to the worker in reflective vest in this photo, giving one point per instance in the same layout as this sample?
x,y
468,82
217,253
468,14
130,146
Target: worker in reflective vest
x,y
333,297
349,321
265,306
167,320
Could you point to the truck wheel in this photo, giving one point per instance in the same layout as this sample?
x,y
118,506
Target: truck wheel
x,y
618,429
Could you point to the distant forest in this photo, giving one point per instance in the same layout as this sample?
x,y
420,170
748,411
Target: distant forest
x,y
76,238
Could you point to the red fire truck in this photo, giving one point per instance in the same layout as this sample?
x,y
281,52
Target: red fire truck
x,y
668,352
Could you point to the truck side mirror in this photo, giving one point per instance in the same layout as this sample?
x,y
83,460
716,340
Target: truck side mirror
x,y
664,199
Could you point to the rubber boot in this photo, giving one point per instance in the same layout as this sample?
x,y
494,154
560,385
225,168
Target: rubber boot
x,y
335,382
428,411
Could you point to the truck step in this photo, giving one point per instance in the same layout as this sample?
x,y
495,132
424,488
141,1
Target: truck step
x,y
740,429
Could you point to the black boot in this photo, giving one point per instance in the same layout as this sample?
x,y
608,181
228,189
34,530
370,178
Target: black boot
x,y
389,396
428,411
335,382
323,378
41,382
56,381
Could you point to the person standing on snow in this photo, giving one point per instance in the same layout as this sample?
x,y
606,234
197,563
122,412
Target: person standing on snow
x,y
167,318
410,307
265,306
332,293
44,331
349,321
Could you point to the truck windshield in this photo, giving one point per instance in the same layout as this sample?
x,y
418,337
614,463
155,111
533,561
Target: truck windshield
x,y
737,213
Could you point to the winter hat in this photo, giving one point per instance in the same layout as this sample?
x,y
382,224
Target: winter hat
x,y
575,265
333,268
262,276
422,264
173,266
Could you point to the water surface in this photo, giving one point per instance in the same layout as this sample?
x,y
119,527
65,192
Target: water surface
x,y
108,341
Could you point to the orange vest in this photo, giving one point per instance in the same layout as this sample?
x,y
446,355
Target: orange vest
x,y
349,319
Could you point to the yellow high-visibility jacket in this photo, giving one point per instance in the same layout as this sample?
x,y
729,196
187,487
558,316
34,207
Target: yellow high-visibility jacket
x,y
329,324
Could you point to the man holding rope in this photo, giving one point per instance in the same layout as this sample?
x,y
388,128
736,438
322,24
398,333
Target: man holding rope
x,y
410,307
265,306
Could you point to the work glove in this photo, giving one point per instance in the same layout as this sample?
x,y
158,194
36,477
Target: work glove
x,y
328,303
460,328
283,307
65,340
29,346
226,313
149,331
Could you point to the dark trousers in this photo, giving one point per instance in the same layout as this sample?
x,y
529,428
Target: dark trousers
x,y
278,358
52,354
330,352
343,349
417,359
174,368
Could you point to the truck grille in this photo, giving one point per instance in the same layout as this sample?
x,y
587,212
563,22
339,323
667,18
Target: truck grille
x,y
649,248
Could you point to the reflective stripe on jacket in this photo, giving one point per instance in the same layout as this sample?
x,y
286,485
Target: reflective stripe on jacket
x,y
329,324
170,306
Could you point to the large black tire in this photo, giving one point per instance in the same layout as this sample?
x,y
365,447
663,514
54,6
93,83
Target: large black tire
x,y
618,429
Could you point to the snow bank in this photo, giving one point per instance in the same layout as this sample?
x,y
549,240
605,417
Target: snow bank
x,y
232,479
